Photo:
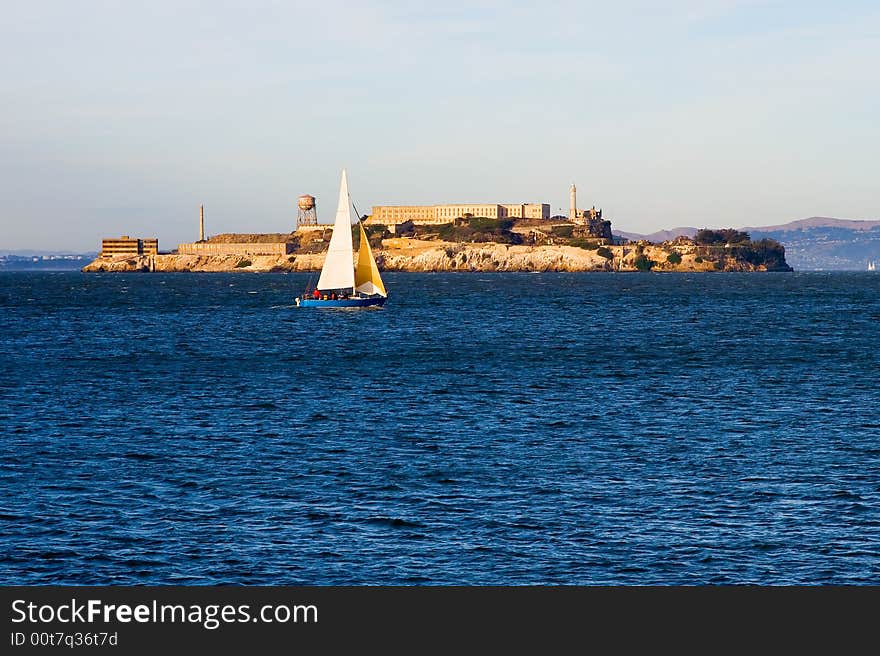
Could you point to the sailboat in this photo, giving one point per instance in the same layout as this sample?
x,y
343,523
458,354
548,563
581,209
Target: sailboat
x,y
872,266
342,284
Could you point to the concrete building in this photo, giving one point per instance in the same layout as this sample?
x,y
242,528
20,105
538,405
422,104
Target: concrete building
x,y
437,214
448,213
126,245
394,214
536,211
513,211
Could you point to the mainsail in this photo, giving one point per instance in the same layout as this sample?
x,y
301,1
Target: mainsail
x,y
338,272
366,278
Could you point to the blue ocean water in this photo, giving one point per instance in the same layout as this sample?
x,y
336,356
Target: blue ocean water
x,y
480,429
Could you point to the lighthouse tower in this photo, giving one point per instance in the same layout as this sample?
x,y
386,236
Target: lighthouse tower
x,y
572,208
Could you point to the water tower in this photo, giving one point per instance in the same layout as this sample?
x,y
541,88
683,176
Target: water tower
x,y
306,214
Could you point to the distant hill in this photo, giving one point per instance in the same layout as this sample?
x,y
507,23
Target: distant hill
x,y
818,222
818,243
660,235
826,244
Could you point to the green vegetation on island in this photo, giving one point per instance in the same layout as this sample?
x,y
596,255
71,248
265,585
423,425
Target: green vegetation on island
x,y
718,245
644,263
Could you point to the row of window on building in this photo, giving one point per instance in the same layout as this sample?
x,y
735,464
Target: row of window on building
x,y
126,245
446,213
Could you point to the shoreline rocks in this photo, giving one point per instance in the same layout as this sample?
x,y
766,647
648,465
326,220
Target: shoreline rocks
x,y
402,254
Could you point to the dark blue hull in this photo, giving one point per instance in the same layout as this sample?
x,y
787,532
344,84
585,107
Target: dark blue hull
x,y
341,302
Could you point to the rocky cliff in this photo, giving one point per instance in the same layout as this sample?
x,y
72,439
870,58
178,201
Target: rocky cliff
x,y
214,263
403,254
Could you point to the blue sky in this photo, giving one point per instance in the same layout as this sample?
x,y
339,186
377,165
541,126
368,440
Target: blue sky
x,y
122,117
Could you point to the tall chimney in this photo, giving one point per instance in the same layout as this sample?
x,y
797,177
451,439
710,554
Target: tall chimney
x,y
573,206
201,223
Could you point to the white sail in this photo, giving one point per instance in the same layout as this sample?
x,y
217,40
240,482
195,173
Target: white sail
x,y
338,269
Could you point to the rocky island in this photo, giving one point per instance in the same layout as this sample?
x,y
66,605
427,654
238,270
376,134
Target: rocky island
x,y
472,244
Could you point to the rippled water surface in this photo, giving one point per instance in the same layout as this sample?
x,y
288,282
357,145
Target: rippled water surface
x,y
480,429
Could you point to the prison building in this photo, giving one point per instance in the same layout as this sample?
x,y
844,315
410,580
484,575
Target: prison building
x,y
436,214
128,246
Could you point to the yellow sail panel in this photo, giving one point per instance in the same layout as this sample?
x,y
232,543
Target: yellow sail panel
x,y
366,276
